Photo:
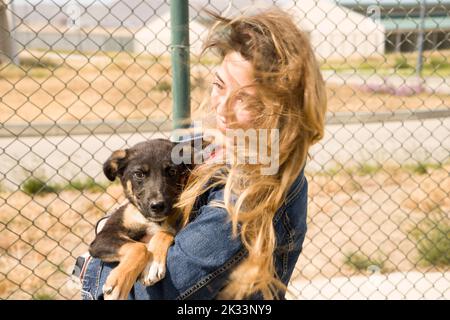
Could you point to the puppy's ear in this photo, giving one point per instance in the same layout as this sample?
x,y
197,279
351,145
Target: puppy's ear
x,y
112,166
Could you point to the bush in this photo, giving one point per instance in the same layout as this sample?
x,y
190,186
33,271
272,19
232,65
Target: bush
x,y
402,63
433,240
34,186
88,184
423,167
368,169
163,86
438,63
386,88
43,296
32,62
362,262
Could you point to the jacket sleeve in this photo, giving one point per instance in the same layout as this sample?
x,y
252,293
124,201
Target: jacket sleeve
x,y
201,257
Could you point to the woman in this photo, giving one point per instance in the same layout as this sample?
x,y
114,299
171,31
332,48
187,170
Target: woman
x,y
243,230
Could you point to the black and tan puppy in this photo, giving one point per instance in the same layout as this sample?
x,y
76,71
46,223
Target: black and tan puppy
x,y
152,184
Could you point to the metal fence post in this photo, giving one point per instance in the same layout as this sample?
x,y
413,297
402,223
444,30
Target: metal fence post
x,y
420,39
179,18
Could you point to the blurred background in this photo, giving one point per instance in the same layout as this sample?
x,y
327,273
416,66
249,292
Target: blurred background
x,y
80,79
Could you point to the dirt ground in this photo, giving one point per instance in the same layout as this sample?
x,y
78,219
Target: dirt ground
x,y
55,88
351,99
41,236
372,214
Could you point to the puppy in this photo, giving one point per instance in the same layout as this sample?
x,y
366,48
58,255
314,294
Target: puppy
x,y
139,233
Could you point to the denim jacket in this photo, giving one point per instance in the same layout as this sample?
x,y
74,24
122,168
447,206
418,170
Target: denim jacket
x,y
204,252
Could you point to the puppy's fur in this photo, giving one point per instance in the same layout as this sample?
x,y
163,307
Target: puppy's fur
x,y
139,233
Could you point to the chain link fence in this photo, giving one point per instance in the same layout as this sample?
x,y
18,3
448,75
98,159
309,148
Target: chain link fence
x,y
79,79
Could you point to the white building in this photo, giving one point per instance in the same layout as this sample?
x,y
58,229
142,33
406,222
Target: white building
x,y
335,32
139,25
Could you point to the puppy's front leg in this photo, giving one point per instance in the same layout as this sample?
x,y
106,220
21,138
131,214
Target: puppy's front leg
x,y
156,267
133,259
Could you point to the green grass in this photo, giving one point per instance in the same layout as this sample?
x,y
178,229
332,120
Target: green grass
x,y
432,236
34,186
113,55
337,67
393,63
402,63
366,169
355,185
43,296
361,170
29,66
438,63
423,167
163,86
361,262
38,68
370,65
89,184
332,171
39,73
32,62
38,186
373,168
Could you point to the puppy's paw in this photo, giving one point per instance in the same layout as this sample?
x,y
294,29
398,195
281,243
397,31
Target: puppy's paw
x,y
117,286
110,292
153,272
111,289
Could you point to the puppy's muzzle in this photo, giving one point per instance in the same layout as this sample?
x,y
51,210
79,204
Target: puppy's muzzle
x,y
158,207
155,210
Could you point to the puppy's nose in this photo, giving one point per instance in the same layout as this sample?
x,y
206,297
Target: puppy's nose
x,y
157,206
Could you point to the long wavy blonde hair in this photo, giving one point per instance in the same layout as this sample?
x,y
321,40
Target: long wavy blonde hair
x,y
290,97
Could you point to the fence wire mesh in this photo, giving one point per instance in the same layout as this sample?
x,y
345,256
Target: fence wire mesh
x,y
80,79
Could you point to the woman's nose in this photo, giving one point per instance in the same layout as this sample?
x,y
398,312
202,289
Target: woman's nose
x,y
220,107
223,108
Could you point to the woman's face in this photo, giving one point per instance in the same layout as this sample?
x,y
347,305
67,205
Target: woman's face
x,y
232,83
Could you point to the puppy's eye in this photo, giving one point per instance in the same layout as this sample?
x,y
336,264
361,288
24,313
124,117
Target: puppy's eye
x,y
139,175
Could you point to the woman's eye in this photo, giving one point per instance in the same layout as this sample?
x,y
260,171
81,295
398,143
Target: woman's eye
x,y
138,175
217,85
